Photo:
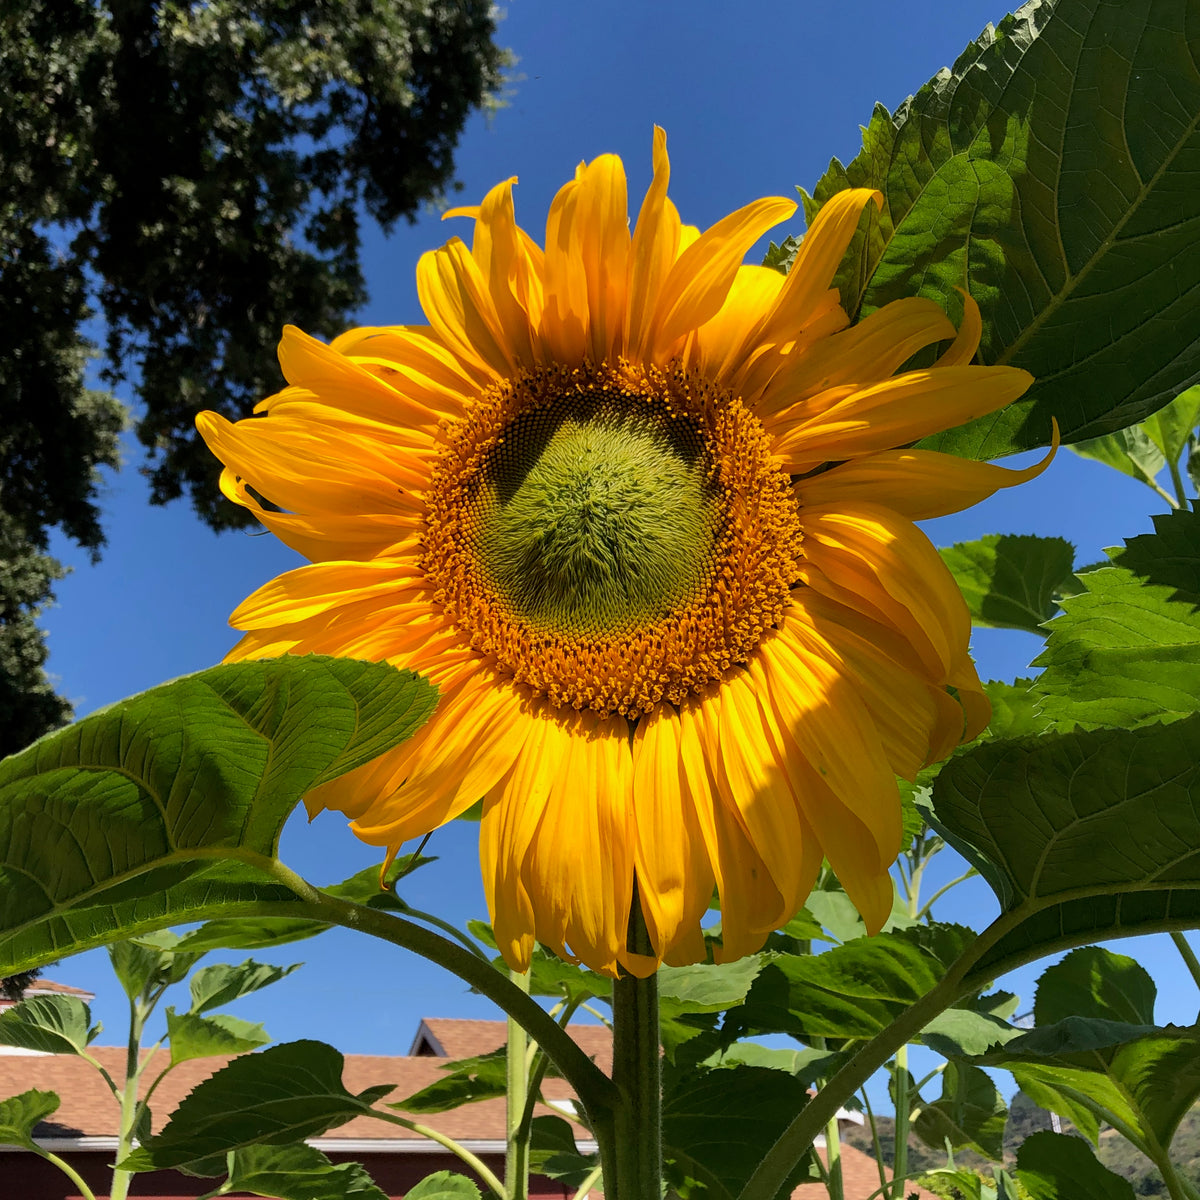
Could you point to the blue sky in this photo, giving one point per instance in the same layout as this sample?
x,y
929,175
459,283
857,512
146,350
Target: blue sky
x,y
753,105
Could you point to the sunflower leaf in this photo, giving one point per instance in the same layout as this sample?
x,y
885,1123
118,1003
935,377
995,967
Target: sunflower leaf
x,y
300,1172
466,1080
1052,171
281,1095
1127,649
1170,427
1011,582
193,1036
20,1115
1056,1166
719,1124
971,1113
167,807
443,1185
49,1025
1129,451
1082,836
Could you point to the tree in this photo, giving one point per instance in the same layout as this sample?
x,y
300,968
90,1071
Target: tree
x,y
196,173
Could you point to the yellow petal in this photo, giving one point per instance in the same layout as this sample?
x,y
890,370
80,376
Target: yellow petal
x,y
655,244
455,299
702,275
917,484
602,211
870,351
875,562
966,341
675,879
563,333
818,716
898,410
819,256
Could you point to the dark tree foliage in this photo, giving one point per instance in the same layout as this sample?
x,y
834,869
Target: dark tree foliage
x,y
12,987
193,172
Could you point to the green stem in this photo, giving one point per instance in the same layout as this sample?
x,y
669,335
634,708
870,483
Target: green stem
x,y
833,1151
770,1174
883,1179
460,1152
1177,484
1171,1178
516,1157
1162,492
1187,954
928,905
595,1090
589,1182
538,1063
429,919
68,1170
631,1149
900,1149
129,1097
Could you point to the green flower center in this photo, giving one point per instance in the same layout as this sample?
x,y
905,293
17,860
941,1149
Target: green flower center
x,y
597,513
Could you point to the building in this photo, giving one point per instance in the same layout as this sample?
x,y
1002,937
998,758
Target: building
x,y
83,1131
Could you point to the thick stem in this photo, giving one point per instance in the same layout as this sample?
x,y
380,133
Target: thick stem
x,y
516,1158
594,1089
900,1148
635,1154
833,1151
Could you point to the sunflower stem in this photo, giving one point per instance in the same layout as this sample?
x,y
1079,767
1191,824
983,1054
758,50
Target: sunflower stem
x,y
633,1162
516,1159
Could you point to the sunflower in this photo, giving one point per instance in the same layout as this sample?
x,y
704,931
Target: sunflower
x,y
639,512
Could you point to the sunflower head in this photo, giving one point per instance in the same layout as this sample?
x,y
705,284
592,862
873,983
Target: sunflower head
x,y
644,515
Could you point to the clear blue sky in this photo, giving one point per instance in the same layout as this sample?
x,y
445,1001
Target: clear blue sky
x,y
753,104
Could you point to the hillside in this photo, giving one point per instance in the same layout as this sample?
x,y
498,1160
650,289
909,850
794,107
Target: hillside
x,y
1024,1118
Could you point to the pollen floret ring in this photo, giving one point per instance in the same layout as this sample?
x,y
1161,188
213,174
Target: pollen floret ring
x,y
613,535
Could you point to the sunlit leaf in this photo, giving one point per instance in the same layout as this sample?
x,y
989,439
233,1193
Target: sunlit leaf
x,y
1130,451
167,807
193,1036
1053,171
50,1024
222,983
19,1115
1011,582
1082,836
1170,427
1127,649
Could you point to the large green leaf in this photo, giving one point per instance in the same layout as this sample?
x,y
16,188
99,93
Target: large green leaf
x,y
850,991
466,1080
1011,582
193,1036
168,807
49,1024
1082,836
718,1124
20,1115
1053,171
1127,649
553,1153
1145,1078
1056,1166
281,1095
300,1172
251,933
970,1113
1094,982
